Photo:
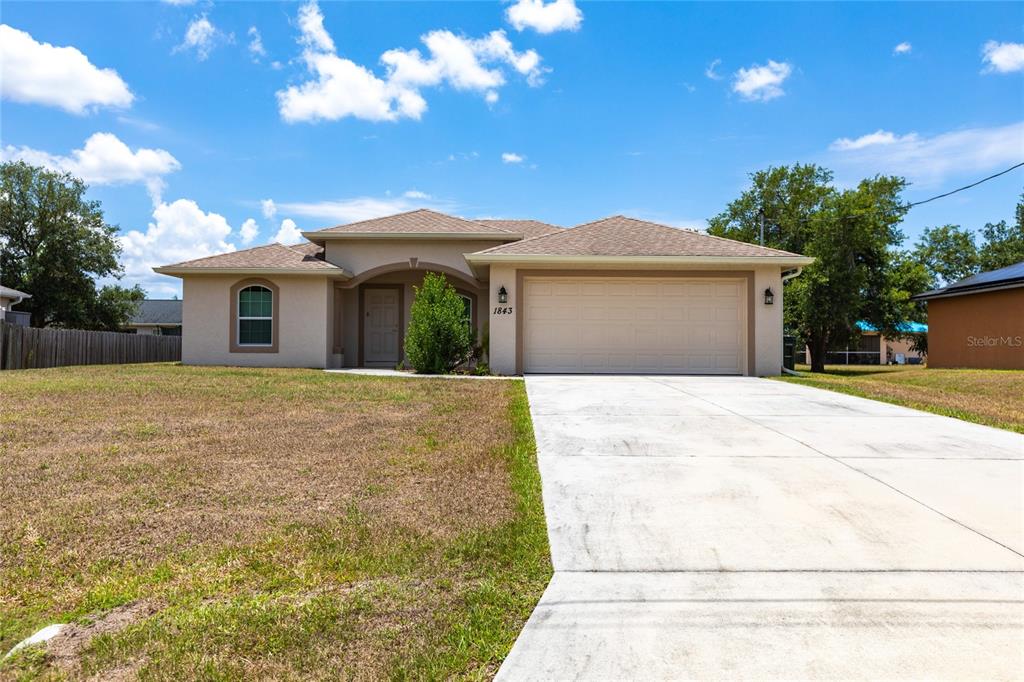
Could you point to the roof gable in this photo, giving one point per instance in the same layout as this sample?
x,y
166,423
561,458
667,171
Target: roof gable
x,y
302,257
628,237
421,221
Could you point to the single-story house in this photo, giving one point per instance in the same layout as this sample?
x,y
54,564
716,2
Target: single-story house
x,y
874,348
978,321
156,316
9,298
617,295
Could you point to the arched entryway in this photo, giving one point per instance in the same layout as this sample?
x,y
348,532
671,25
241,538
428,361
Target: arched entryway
x,y
371,311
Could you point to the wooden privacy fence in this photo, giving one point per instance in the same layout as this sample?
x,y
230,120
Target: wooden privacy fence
x,y
30,348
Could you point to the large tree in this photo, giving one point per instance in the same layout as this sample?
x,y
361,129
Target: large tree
x,y
54,244
857,274
951,253
948,253
1004,244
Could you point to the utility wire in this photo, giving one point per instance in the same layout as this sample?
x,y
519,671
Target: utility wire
x,y
961,189
907,207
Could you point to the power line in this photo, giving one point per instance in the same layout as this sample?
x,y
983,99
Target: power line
x,y
961,189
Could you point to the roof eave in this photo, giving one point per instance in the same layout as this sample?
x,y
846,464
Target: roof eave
x,y
966,291
334,273
321,236
527,259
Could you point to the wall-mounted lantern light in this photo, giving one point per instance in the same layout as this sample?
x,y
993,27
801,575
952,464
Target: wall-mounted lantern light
x,y
769,297
502,295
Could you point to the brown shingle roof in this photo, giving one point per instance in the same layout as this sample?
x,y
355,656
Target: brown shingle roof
x,y
271,257
420,221
622,236
527,228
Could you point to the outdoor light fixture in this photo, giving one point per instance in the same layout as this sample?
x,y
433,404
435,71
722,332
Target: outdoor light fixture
x,y
769,297
502,295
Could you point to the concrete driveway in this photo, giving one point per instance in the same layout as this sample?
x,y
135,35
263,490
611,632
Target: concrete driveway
x,y
724,528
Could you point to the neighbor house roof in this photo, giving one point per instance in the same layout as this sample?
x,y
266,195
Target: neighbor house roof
x,y
421,223
1010,277
7,292
299,259
157,311
621,237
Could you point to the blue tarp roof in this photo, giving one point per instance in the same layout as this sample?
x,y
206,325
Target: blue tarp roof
x,y
906,327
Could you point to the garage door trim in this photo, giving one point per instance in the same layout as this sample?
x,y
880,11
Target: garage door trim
x,y
521,276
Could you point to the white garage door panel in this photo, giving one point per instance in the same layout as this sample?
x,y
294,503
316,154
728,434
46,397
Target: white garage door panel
x,y
634,325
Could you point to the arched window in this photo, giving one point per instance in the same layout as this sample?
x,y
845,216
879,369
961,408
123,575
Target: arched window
x,y
255,316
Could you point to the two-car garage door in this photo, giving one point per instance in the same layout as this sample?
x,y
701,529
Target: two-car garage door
x,y
634,325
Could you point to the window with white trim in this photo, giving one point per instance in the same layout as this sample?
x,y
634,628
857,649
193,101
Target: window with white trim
x,y
467,310
255,316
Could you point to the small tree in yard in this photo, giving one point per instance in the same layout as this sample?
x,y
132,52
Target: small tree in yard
x,y
439,339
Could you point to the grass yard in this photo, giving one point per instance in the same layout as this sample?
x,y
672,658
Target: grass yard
x,y
984,396
248,523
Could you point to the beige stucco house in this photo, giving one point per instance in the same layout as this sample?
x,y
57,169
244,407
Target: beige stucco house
x,y
617,295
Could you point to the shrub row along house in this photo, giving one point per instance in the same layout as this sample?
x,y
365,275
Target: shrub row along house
x,y
618,295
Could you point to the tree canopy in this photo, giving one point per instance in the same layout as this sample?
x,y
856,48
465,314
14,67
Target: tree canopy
x,y
857,275
951,253
54,245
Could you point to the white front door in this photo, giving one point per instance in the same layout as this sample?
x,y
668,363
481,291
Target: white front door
x,y
641,325
381,327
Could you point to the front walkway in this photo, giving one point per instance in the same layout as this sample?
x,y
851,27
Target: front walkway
x,y
724,528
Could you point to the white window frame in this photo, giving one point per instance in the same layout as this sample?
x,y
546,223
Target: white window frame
x,y
238,321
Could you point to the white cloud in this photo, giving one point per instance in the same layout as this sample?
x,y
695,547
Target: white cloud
x,y
248,231
711,73
105,160
180,231
512,157
416,194
560,15
903,48
40,73
201,36
928,160
761,83
268,207
343,88
879,137
289,233
179,3
358,208
1003,57
311,24
256,49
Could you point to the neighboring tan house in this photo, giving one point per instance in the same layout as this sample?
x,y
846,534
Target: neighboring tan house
x,y
978,321
873,348
156,316
617,295
12,297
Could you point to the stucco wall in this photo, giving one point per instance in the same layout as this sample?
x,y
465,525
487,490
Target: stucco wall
x,y
359,255
984,330
305,335
767,321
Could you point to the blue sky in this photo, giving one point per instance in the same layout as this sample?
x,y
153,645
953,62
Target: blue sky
x,y
571,113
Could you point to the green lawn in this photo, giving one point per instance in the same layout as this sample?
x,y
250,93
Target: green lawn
x,y
984,396
245,523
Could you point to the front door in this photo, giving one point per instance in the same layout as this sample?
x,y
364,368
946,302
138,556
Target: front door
x,y
381,327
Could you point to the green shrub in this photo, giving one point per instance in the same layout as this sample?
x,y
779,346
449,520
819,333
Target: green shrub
x,y
439,337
